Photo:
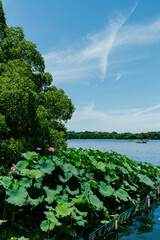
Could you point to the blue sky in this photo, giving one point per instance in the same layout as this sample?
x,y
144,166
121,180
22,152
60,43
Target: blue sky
x,y
104,54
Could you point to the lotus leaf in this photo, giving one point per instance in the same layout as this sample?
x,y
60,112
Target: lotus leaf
x,y
35,202
30,155
130,186
46,166
70,168
5,181
17,196
126,165
47,225
21,165
67,175
124,171
21,238
25,182
84,214
75,192
111,166
36,173
26,172
79,219
93,183
51,217
57,161
80,199
3,221
63,210
94,200
51,194
101,166
63,199
110,178
106,190
90,175
121,194
146,180
38,183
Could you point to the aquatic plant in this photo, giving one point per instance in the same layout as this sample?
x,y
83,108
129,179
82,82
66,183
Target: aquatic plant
x,y
77,188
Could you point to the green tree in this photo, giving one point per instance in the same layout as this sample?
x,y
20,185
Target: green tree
x,y
32,112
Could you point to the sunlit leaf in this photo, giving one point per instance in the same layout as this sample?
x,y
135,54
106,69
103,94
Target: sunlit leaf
x,y
67,175
146,180
106,190
75,192
21,165
46,166
5,181
36,173
121,194
25,182
94,200
111,165
51,217
35,202
51,194
101,166
17,196
70,168
93,183
63,210
30,155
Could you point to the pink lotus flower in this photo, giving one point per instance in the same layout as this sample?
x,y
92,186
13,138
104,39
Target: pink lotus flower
x,y
38,148
98,156
77,148
13,169
51,149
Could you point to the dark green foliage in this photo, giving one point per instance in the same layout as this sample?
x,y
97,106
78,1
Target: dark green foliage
x,y
32,113
78,188
2,22
112,135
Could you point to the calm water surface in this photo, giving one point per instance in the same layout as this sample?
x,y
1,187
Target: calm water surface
x,y
145,152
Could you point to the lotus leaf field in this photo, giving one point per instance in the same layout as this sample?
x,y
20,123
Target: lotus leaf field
x,y
70,193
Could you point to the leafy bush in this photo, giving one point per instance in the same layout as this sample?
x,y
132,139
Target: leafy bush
x,y
78,188
32,112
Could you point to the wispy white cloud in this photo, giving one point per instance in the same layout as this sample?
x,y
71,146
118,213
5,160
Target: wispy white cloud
x,y
73,64
132,120
139,34
118,76
88,112
92,59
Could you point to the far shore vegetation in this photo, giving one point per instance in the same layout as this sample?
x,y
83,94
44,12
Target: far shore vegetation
x,y
113,135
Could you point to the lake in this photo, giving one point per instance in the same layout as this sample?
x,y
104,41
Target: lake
x,y
144,152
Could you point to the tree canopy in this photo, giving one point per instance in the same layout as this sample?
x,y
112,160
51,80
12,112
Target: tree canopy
x,y
32,112
112,135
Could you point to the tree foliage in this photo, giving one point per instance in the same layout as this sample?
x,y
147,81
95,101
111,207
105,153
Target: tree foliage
x,y
113,135
32,112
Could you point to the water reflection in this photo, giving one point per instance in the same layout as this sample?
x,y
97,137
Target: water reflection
x,y
143,226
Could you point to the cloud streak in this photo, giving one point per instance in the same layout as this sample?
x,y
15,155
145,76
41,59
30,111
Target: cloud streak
x,y
125,120
71,64
92,60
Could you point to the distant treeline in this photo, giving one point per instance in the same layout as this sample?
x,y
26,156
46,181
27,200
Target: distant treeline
x,y
112,135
